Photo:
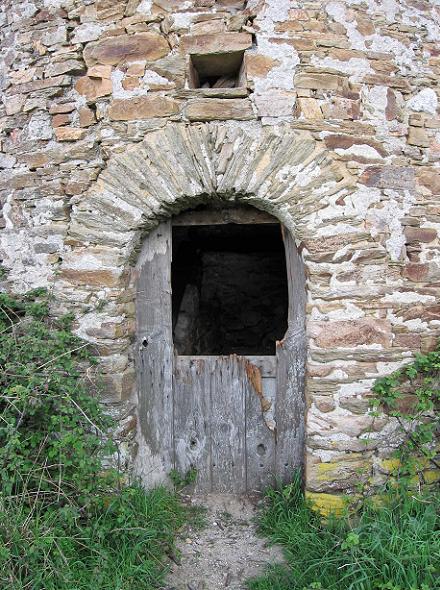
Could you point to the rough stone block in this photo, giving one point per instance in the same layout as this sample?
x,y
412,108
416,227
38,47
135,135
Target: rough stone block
x,y
219,109
395,177
327,504
351,333
92,278
319,81
420,234
93,88
69,133
219,43
338,475
309,108
116,387
418,136
142,107
148,46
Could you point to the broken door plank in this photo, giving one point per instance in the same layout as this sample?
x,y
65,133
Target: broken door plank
x,y
260,440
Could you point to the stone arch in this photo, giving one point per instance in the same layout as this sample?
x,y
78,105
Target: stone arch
x,y
282,171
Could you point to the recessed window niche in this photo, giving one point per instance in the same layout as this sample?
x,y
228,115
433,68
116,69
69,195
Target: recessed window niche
x,y
218,70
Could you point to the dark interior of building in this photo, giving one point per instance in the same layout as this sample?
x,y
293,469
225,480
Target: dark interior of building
x,y
229,289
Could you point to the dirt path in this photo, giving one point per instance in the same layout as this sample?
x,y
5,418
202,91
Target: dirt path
x,y
226,552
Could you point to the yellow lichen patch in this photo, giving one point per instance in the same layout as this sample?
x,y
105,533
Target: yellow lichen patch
x,y
432,476
390,465
328,504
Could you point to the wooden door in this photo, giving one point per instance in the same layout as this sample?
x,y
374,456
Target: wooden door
x,y
237,420
220,427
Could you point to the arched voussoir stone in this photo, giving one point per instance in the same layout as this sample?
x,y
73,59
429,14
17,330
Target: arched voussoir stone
x,y
283,171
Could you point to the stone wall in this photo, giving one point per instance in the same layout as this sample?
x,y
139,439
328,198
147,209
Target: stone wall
x,y
335,131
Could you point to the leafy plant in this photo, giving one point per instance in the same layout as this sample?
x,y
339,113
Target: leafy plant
x,y
65,524
412,396
52,432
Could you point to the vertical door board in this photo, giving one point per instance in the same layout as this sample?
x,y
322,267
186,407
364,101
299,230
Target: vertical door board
x,y
291,354
192,410
154,347
228,408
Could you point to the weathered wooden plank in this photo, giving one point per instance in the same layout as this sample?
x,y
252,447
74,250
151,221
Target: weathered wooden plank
x,y
238,215
291,356
260,440
155,353
267,364
192,412
228,447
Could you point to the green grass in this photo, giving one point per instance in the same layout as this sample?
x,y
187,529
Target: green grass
x,y
120,543
64,524
394,546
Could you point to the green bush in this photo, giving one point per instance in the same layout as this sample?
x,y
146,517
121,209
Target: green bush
x,y
394,545
64,524
51,441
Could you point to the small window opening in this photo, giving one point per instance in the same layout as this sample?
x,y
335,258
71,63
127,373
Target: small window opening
x,y
229,289
220,70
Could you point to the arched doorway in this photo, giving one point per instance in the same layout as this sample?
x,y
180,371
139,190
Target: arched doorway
x,y
279,170
220,315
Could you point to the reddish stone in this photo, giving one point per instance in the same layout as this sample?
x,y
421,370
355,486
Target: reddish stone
x,y
391,110
93,278
431,312
430,179
93,88
396,177
42,84
259,65
391,81
148,46
142,107
100,72
416,272
69,133
86,117
412,341
220,43
420,234
352,333
324,403
342,108
130,83
61,119
65,107
347,141
219,109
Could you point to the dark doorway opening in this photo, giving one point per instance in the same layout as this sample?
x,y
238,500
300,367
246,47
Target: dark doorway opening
x,y
229,289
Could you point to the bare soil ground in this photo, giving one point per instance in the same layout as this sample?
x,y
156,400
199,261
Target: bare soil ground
x,y
226,552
